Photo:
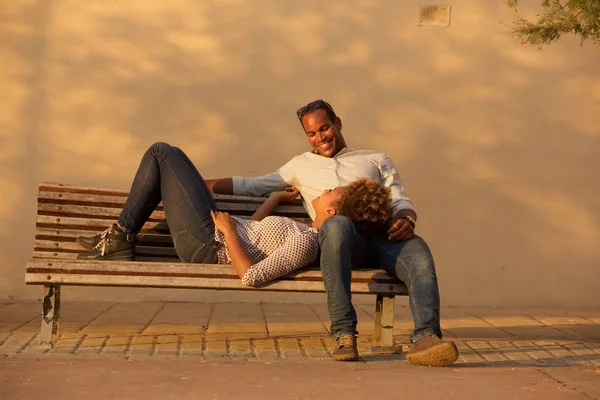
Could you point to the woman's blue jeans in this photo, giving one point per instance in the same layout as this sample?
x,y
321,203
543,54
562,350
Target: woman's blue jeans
x,y
342,247
166,174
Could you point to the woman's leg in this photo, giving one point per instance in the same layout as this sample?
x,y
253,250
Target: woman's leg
x,y
166,174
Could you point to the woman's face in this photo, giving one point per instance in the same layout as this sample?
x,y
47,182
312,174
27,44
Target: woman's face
x,y
327,200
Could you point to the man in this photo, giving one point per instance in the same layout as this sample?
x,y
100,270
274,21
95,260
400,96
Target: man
x,y
399,251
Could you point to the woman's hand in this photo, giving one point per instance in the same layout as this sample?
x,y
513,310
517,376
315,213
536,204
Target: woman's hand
x,y
223,221
289,194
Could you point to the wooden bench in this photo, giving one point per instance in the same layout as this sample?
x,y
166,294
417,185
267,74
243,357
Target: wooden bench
x,y
65,212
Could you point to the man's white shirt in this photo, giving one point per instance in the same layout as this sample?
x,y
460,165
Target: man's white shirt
x,y
312,174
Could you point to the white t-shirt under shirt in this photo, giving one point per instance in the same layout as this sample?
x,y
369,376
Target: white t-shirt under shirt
x,y
276,246
312,174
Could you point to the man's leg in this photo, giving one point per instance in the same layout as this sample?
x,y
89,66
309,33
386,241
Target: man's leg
x,y
340,244
411,261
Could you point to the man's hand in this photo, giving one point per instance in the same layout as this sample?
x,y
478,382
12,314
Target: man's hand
x,y
223,222
287,195
400,230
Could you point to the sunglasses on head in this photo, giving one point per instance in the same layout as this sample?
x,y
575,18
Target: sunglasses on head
x,y
314,105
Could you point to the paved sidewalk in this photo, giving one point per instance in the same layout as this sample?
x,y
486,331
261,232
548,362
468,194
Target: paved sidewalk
x,y
485,336
270,350
101,378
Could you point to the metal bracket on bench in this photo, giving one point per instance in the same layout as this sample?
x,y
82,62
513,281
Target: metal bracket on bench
x,y
383,335
50,316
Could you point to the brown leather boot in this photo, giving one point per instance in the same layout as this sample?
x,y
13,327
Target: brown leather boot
x,y
431,351
346,350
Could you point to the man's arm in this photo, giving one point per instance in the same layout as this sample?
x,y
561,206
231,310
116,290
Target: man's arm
x,y
220,186
259,186
401,228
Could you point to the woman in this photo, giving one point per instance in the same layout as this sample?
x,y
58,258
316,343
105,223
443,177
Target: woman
x,y
261,249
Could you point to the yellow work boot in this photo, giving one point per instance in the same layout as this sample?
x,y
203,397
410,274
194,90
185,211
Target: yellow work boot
x,y
346,350
431,351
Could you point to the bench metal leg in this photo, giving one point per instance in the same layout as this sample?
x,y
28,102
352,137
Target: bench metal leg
x,y
51,314
383,335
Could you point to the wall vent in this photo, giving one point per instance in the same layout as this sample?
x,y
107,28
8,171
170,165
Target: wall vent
x,y
434,15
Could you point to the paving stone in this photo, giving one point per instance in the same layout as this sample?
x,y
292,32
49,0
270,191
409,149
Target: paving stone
x,y
192,345
558,350
462,323
117,345
237,317
7,327
181,319
142,345
265,348
74,316
291,319
590,314
515,323
92,345
466,354
31,326
167,345
314,348
216,346
574,326
513,353
21,311
124,318
365,320
289,348
17,341
537,353
67,344
584,351
239,347
488,352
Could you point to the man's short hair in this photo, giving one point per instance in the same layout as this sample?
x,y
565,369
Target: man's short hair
x,y
316,105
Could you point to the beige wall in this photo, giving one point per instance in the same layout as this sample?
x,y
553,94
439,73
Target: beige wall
x,y
498,145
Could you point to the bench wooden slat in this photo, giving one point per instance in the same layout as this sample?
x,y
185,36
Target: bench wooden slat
x,y
79,211
93,211
73,256
59,187
112,204
203,283
183,269
45,221
75,223
72,247
67,235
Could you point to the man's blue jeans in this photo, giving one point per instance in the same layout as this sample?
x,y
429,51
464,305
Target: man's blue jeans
x,y
166,174
342,247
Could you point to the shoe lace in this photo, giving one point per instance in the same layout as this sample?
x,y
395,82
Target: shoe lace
x,y
104,239
346,340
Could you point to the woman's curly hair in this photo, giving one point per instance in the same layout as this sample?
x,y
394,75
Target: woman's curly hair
x,y
368,203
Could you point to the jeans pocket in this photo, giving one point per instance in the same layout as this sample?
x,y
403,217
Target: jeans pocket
x,y
187,246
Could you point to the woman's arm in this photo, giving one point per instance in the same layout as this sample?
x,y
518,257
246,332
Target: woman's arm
x,y
299,250
239,258
274,199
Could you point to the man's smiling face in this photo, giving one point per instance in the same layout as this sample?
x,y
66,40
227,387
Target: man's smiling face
x,y
324,135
